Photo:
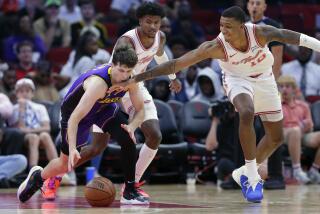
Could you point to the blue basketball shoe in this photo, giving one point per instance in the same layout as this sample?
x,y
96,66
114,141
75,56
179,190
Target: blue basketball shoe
x,y
255,191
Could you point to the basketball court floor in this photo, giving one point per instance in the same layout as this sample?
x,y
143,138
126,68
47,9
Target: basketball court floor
x,y
173,199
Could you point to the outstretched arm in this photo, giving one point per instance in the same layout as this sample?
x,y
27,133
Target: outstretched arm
x,y
209,49
268,33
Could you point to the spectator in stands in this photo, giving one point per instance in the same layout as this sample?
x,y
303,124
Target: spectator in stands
x,y
256,9
70,12
11,139
90,23
160,89
184,26
8,82
298,130
53,31
209,84
189,85
305,72
25,66
33,9
45,90
82,60
11,165
127,22
166,28
24,32
222,137
32,119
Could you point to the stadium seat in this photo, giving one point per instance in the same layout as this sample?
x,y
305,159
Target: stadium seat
x,y
58,57
177,107
315,111
196,122
168,125
103,6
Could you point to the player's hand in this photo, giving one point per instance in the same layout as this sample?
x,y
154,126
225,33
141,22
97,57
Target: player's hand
x,y
74,157
175,85
122,86
130,131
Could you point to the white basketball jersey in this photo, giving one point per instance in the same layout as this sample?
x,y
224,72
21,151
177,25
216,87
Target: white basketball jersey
x,y
255,60
145,56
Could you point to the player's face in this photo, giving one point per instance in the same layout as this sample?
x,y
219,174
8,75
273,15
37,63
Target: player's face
x,y
120,73
256,8
150,25
230,28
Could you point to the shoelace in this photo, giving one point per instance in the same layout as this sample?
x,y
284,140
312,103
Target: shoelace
x,y
140,184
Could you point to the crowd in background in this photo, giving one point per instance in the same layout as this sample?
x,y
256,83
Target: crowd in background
x,y
47,44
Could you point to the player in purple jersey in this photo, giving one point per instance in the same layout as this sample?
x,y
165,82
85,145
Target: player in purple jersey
x,y
88,102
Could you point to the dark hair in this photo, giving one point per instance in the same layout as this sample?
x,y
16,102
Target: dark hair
x,y
81,46
149,8
235,12
22,44
125,55
84,2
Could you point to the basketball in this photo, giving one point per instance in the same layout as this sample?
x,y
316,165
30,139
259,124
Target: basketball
x,y
100,192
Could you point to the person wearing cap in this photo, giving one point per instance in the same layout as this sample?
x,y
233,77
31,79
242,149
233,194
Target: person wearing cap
x,y
89,23
32,119
298,130
54,31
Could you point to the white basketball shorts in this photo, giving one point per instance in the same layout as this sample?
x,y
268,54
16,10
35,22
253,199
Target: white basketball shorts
x,y
263,90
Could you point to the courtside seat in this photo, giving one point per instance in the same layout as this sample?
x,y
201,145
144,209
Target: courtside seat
x,y
177,107
196,124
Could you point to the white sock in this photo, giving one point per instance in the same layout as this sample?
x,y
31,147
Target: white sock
x,y
252,170
296,167
146,155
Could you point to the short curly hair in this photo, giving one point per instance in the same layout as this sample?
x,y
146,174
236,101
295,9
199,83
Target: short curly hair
x,y
125,55
149,8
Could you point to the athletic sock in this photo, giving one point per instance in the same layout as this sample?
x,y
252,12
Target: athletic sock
x,y
146,155
252,170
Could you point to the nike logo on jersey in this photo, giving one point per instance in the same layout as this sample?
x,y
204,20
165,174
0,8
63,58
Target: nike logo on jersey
x,y
254,48
232,55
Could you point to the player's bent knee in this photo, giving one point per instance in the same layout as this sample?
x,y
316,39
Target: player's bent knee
x,y
246,114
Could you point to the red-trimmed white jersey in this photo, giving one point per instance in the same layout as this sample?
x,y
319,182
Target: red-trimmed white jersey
x,y
255,60
145,56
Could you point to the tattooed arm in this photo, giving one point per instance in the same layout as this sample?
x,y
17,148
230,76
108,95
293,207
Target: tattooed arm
x,y
266,34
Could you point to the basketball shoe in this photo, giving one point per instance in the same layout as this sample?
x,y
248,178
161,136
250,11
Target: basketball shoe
x,y
32,183
255,191
131,195
139,189
251,191
50,187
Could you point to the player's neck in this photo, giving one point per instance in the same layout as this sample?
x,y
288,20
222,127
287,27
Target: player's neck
x,y
146,41
242,42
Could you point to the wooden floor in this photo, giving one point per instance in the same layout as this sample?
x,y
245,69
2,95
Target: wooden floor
x,y
174,199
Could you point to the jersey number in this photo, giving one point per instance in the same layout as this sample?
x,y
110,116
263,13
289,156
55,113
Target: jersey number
x,y
259,59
